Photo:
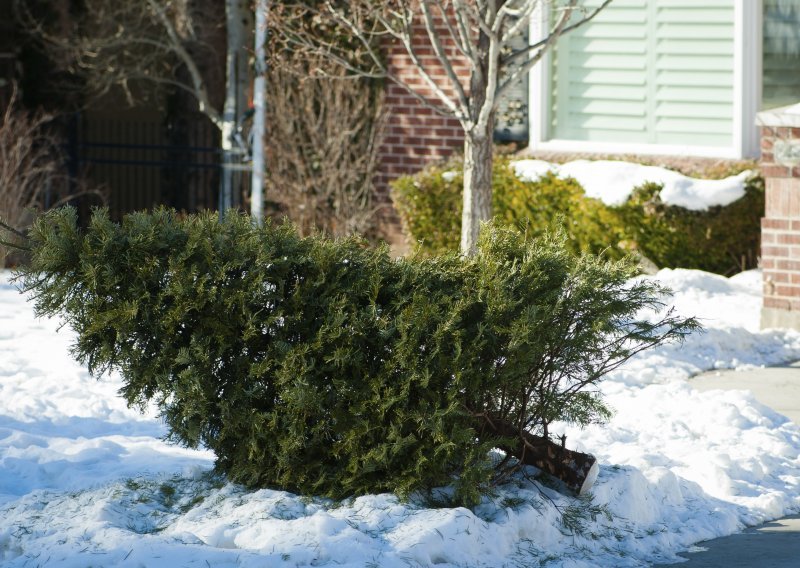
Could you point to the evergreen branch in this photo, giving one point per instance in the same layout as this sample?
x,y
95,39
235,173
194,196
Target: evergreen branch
x,y
11,229
14,246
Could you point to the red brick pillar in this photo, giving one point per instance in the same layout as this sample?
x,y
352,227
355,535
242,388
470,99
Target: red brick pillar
x,y
780,227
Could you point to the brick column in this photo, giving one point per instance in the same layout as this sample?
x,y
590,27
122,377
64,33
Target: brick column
x,y
780,226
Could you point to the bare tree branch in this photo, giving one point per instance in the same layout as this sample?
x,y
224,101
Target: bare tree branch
x,y
546,41
31,166
446,63
117,43
462,15
556,31
459,40
359,34
199,86
471,34
522,19
324,180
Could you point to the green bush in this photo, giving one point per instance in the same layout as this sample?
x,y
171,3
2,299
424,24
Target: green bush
x,y
324,366
429,204
723,239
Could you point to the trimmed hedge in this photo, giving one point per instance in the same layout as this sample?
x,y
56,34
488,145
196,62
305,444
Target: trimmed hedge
x,y
325,367
723,239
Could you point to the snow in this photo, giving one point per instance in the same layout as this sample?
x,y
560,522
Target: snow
x,y
612,182
85,481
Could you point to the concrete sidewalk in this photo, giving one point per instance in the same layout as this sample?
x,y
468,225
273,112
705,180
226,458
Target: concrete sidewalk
x,y
775,544
776,387
771,545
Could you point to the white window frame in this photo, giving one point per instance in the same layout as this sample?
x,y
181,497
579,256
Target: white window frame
x,y
746,96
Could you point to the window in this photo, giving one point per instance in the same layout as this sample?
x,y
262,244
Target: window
x,y
648,72
781,53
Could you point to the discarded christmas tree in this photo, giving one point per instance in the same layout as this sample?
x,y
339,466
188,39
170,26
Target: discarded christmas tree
x,y
325,367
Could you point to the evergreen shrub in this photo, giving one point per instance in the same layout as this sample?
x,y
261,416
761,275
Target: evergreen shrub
x,y
429,204
327,368
723,239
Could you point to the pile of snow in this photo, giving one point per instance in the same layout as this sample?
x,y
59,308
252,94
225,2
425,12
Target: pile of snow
x,y
613,181
86,481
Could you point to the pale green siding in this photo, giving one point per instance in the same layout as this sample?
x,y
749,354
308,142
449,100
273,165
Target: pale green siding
x,y
647,72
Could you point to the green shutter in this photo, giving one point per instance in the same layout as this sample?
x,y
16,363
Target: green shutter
x,y
647,72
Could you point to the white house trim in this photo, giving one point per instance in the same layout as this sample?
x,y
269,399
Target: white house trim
x,y
738,74
747,75
539,86
746,90
578,146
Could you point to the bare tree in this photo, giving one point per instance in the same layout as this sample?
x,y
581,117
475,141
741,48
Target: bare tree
x,y
136,45
323,179
477,34
260,110
238,21
31,167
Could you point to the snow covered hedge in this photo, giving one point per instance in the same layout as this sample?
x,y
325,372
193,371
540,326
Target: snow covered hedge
x,y
618,213
327,368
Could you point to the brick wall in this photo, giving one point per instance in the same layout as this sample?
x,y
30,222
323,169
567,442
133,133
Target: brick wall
x,y
415,134
780,226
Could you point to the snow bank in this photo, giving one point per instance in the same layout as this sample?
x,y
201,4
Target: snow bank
x,y
613,181
59,427
86,481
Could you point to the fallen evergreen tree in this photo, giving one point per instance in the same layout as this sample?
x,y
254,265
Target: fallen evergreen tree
x,y
325,367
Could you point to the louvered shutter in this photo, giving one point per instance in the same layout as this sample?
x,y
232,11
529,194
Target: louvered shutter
x,y
649,72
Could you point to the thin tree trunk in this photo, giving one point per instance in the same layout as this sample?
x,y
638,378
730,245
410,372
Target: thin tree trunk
x,y
260,117
235,87
477,205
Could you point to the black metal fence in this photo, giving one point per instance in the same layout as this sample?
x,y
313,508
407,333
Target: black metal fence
x,y
140,160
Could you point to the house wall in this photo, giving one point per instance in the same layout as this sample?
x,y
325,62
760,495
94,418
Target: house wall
x,y
416,135
653,76
647,71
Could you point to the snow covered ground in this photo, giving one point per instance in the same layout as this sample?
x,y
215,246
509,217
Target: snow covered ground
x,y
84,481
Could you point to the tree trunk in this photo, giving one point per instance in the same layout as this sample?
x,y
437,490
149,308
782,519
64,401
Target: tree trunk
x,y
260,117
478,157
477,205
236,15
578,471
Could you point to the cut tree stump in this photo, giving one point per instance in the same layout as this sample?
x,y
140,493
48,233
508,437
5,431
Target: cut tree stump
x,y
577,470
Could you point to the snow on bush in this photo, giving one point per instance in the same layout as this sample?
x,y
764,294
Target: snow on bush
x,y
612,181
